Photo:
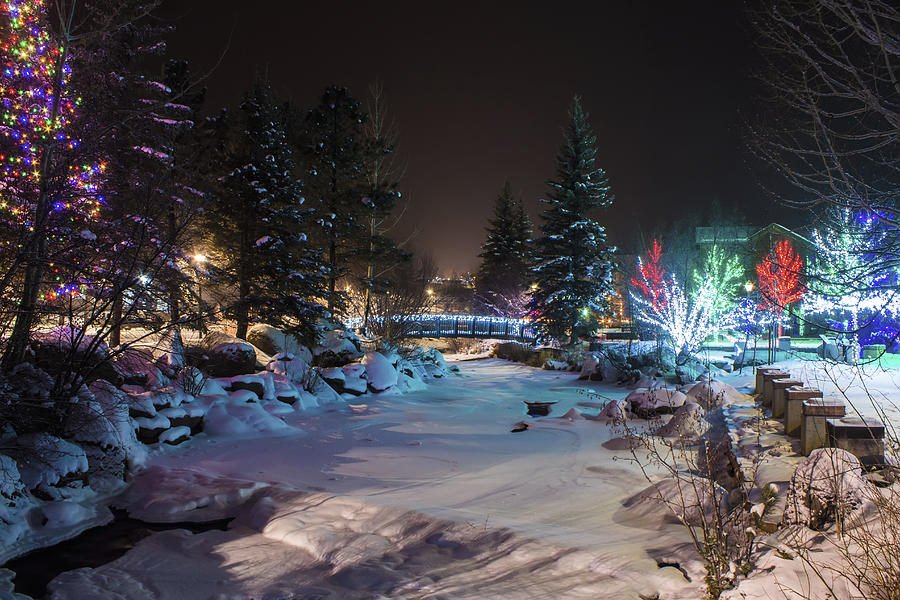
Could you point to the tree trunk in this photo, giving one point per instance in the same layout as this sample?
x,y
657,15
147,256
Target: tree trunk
x,y
243,311
174,308
370,273
35,251
115,330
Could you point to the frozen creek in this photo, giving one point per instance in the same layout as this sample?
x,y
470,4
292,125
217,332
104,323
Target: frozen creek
x,y
427,495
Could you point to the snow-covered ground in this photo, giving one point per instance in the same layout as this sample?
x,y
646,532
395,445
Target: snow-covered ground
x,y
423,495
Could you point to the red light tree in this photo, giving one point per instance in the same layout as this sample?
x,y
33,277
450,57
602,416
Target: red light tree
x,y
650,277
779,278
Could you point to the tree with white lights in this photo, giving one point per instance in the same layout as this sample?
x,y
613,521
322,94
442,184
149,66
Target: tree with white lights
x,y
854,272
573,267
720,278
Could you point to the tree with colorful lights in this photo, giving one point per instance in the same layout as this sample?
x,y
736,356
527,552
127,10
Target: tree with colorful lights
x,y
573,266
720,278
853,276
651,277
780,282
51,197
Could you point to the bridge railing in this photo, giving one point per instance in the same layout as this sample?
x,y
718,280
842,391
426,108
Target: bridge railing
x,y
475,326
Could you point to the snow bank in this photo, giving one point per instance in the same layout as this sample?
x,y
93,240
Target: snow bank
x,y
166,495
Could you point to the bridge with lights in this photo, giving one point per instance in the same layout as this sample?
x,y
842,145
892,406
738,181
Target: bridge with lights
x,y
461,326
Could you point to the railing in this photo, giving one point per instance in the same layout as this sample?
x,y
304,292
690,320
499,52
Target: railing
x,y
471,326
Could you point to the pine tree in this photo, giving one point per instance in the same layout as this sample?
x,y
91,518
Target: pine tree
x,y
504,273
258,220
334,159
574,268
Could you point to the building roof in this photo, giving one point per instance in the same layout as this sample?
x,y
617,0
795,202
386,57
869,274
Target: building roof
x,y
774,229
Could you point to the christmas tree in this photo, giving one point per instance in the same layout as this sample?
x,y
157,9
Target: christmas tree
x,y
51,193
573,267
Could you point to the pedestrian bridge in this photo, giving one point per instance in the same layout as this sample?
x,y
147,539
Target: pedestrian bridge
x,y
463,326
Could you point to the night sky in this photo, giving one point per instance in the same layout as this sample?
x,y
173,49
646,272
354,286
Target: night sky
x,y
480,92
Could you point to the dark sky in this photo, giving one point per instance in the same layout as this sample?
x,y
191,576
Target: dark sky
x,y
480,92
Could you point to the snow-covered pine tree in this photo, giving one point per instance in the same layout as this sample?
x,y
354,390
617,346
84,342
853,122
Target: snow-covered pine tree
x,y
257,223
334,160
574,272
504,274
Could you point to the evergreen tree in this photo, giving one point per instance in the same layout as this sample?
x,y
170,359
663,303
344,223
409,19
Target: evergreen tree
x,y
334,159
574,268
258,220
504,273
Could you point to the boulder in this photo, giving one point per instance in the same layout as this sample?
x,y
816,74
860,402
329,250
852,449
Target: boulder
x,y
380,373
336,347
355,381
647,403
62,348
829,484
712,393
614,411
688,422
273,341
229,359
690,371
138,368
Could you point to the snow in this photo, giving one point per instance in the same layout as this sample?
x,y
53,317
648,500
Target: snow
x,y
47,459
420,495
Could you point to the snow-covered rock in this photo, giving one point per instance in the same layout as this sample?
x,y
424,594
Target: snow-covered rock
x,y
712,393
170,350
45,460
380,373
231,419
688,421
615,411
62,347
649,402
138,367
293,368
106,422
273,341
175,435
11,484
828,484
336,346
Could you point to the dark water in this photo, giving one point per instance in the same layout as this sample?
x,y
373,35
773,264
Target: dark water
x,y
93,548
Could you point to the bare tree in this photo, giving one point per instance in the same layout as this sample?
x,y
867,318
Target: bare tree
x,y
832,126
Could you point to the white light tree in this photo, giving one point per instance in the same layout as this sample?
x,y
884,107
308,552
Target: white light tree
x,y
688,319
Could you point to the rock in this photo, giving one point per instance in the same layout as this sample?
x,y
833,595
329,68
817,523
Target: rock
x,y
713,393
336,347
647,403
380,373
294,369
175,435
254,385
138,367
615,411
827,484
690,371
56,350
273,341
355,379
687,422
231,358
